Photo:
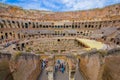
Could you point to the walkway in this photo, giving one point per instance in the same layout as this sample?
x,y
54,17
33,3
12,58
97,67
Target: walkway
x,y
43,75
61,76
78,75
91,43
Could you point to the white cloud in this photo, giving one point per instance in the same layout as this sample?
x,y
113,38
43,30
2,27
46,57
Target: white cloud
x,y
82,4
49,4
88,4
62,5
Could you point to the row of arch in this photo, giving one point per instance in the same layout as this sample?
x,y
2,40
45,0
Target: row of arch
x,y
73,25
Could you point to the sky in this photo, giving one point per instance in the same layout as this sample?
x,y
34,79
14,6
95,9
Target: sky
x,y
60,5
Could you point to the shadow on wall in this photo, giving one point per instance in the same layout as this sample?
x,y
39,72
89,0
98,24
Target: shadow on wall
x,y
5,73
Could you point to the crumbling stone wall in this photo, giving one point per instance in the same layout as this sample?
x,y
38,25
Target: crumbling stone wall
x,y
24,66
5,73
101,65
27,67
112,65
90,65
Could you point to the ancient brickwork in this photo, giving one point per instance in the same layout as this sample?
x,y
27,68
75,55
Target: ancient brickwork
x,y
17,23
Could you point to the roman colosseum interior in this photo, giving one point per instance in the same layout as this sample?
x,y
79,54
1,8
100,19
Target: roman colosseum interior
x,y
34,43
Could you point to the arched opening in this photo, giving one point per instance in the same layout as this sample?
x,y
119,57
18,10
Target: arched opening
x,y
29,22
37,26
40,26
49,25
9,23
18,36
72,26
75,26
18,24
2,37
13,22
85,26
23,45
26,25
1,25
92,26
22,25
58,40
99,26
10,34
66,26
63,34
118,43
111,39
33,25
46,26
89,26
6,35
43,26
81,32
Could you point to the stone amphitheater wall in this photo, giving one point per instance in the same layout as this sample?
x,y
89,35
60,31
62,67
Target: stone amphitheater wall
x,y
20,67
101,65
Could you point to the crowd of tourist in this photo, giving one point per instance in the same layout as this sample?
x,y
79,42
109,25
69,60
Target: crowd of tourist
x,y
60,66
44,64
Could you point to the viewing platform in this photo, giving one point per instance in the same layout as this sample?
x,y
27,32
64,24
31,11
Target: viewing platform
x,y
90,44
